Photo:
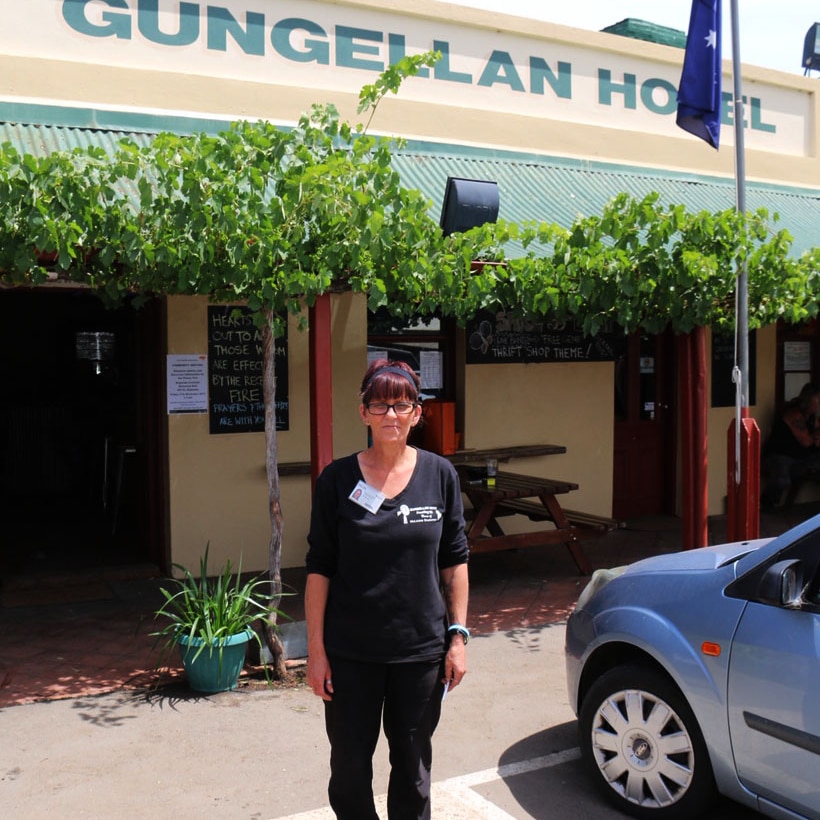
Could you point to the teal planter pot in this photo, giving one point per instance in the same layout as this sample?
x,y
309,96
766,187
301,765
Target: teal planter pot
x,y
215,668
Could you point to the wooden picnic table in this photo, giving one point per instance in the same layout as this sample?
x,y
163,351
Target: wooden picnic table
x,y
471,456
504,454
534,497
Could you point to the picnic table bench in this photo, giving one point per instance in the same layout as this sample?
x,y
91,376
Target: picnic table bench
x,y
536,512
532,496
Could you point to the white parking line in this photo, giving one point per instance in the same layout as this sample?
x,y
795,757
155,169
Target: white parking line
x,y
456,799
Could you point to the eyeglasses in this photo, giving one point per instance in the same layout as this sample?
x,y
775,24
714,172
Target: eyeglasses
x,y
400,408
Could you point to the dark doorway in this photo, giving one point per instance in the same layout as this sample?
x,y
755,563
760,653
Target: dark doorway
x,y
645,451
78,433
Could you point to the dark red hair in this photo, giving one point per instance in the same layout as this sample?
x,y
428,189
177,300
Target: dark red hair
x,y
389,380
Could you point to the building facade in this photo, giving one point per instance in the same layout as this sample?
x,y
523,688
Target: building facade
x,y
149,451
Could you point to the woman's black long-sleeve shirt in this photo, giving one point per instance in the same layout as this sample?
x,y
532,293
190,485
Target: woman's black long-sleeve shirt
x,y
385,603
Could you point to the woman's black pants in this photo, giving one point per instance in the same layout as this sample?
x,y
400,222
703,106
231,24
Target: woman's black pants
x,y
407,696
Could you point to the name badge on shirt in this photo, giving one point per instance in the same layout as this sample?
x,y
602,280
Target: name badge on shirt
x,y
366,496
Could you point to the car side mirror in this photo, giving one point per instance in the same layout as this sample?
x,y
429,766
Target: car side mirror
x,y
782,584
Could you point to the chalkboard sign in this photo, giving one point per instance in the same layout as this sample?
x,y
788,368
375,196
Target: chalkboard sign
x,y
723,362
236,401
500,338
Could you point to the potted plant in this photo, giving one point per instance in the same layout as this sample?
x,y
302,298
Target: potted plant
x,y
210,619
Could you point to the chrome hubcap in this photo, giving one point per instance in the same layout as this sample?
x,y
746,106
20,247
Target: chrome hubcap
x,y
642,748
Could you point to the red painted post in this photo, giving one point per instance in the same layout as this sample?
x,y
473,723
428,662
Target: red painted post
x,y
694,457
321,387
743,498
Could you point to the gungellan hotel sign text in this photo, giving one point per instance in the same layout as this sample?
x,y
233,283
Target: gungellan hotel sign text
x,y
282,40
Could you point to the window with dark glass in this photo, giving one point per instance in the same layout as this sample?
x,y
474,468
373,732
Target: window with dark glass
x,y
426,345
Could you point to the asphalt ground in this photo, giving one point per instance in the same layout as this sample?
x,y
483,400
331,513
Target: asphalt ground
x,y
505,748
108,741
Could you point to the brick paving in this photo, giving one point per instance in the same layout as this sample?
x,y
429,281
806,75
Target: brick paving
x,y
73,635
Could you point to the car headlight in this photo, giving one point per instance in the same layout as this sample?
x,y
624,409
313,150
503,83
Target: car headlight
x,y
600,578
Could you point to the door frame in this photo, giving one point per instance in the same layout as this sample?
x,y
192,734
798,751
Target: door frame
x,y
154,431
667,406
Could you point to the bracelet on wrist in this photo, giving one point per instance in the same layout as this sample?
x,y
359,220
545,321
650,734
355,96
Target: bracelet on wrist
x,y
458,629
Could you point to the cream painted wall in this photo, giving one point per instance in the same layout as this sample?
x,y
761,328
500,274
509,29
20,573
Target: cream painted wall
x,y
162,82
218,487
579,415
217,483
554,403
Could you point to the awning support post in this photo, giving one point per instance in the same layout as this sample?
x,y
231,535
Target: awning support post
x,y
321,387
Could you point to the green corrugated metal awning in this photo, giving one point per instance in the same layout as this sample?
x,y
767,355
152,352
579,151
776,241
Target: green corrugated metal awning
x,y
645,30
531,187
558,190
42,140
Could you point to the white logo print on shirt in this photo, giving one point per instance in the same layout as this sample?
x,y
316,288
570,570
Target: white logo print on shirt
x,y
418,515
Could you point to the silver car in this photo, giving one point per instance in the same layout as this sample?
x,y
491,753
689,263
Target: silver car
x,y
697,673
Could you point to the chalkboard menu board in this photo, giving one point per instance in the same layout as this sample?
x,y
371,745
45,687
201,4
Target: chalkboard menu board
x,y
236,401
499,338
723,362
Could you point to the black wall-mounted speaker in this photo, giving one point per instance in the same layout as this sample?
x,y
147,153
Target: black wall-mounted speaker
x,y
467,204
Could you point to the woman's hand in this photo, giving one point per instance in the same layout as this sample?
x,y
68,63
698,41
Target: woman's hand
x,y
318,666
456,585
455,661
318,675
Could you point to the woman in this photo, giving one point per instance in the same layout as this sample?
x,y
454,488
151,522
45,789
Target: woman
x,y
385,601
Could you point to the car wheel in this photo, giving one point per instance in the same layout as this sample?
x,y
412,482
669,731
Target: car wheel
x,y
642,744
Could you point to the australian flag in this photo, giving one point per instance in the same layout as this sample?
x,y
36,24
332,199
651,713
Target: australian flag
x,y
699,95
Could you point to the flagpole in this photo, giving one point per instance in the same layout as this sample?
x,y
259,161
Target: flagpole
x,y
743,492
742,319
700,112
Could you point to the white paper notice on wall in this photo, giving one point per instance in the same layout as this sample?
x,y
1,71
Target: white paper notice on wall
x,y
430,365
797,356
187,383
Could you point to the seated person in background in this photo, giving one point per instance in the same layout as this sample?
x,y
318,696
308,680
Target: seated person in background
x,y
793,447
